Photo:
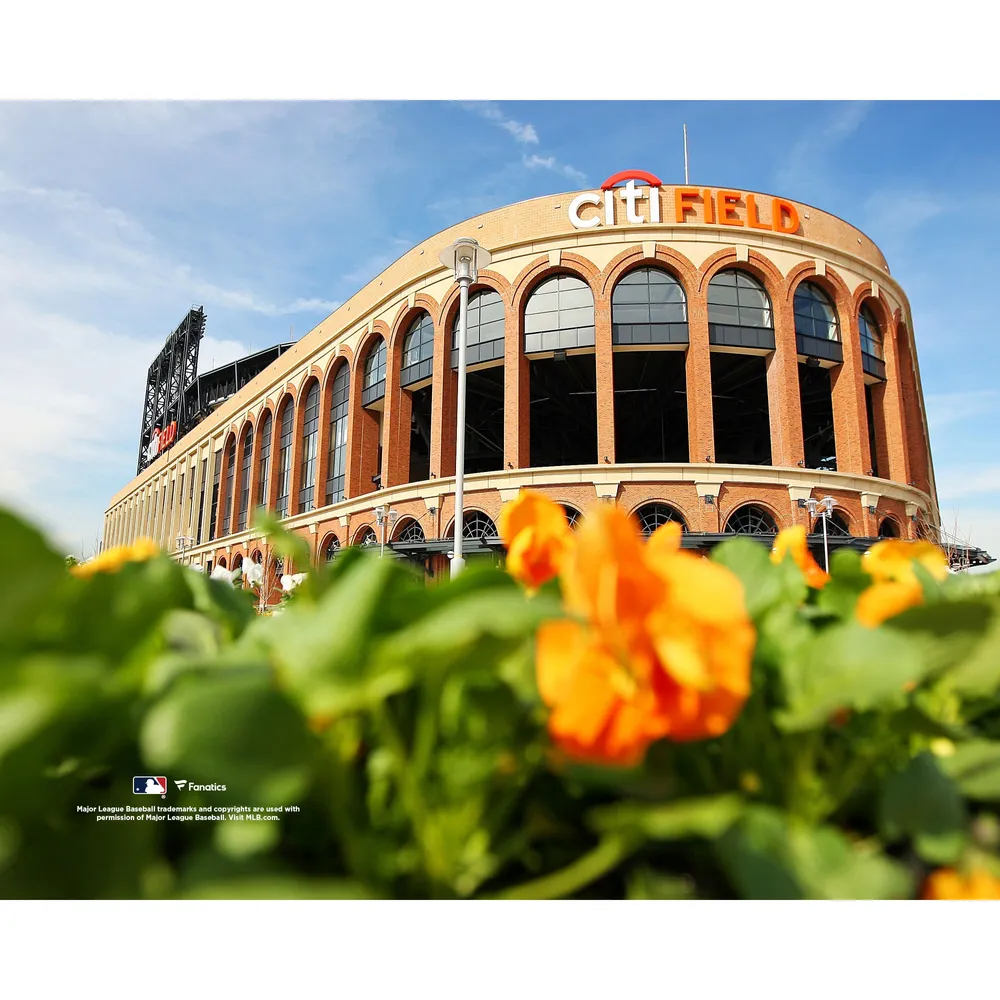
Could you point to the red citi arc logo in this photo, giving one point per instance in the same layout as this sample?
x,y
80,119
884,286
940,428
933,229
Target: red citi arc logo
x,y
691,204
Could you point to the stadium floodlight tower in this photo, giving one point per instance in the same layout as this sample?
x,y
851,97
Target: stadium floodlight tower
x,y
464,257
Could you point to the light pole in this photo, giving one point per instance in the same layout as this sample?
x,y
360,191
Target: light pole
x,y
825,508
182,544
382,516
465,257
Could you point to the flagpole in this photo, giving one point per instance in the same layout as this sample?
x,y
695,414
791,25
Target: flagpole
x,y
686,181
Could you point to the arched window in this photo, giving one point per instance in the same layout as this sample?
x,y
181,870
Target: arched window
x,y
340,393
411,532
815,315
652,515
418,351
366,536
331,548
559,315
739,311
484,330
572,515
475,524
285,459
310,442
836,524
373,385
264,464
227,494
888,528
648,307
245,467
751,520
871,335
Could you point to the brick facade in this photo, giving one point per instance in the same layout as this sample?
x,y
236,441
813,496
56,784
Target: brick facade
x,y
530,243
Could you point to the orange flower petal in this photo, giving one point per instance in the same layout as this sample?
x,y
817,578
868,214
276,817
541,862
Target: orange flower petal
x,y
882,601
793,541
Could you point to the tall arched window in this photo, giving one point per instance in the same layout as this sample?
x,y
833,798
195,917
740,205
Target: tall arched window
x,y
418,351
739,311
285,459
245,467
888,528
310,440
340,393
484,330
871,335
227,496
373,386
652,515
559,315
751,520
815,315
331,548
648,307
264,466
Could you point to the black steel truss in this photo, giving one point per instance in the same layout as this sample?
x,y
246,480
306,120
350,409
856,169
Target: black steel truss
x,y
169,378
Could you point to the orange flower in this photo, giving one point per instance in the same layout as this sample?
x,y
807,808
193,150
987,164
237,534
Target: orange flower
x,y
946,883
661,645
792,541
536,535
112,560
896,586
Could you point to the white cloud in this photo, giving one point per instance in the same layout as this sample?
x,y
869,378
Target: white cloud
x,y
959,482
522,133
551,163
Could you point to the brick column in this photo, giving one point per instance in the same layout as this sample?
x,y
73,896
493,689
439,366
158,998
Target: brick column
x,y
847,386
396,416
516,394
893,408
605,373
698,379
784,402
444,406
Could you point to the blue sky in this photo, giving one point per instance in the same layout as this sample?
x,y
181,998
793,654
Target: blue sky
x,y
116,217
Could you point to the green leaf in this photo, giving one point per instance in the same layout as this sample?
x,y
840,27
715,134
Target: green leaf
x,y
975,667
769,855
231,728
975,769
34,572
764,584
708,817
948,631
847,581
923,803
844,666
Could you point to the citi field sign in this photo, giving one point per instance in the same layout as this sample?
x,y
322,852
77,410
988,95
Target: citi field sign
x,y
641,196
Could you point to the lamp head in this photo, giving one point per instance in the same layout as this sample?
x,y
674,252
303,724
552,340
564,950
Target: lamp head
x,y
465,257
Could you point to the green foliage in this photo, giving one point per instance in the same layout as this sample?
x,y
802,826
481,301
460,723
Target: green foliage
x,y
392,736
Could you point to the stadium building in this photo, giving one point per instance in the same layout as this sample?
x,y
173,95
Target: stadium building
x,y
715,357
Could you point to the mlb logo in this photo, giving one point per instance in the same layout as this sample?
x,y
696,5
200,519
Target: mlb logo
x,y
145,784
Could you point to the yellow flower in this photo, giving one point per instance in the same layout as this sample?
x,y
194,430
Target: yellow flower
x,y
896,587
537,536
792,541
946,883
112,560
660,646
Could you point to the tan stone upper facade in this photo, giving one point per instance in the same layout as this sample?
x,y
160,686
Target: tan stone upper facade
x,y
360,450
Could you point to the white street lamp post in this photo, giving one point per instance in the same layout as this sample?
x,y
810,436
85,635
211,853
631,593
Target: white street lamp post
x,y
465,257
825,508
